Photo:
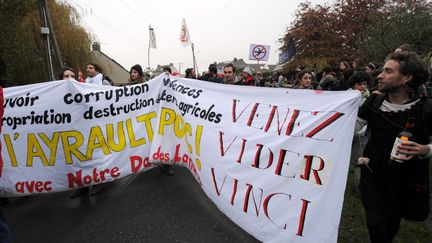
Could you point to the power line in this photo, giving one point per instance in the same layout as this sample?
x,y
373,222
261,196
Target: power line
x,y
129,38
125,35
83,12
113,28
148,22
133,10
155,26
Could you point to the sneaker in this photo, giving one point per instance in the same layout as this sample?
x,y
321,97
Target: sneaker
x,y
95,189
77,192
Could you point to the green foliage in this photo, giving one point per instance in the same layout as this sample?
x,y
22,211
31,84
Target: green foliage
x,y
314,35
408,22
74,40
22,47
352,227
346,29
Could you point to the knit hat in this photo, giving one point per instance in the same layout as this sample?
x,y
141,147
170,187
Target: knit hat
x,y
371,66
248,70
212,68
137,68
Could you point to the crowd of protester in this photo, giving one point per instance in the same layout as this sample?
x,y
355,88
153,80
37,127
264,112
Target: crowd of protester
x,y
394,94
334,76
386,100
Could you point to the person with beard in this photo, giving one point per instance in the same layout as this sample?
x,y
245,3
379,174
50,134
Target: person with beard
x,y
394,181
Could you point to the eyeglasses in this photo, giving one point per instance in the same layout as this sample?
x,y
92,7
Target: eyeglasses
x,y
68,76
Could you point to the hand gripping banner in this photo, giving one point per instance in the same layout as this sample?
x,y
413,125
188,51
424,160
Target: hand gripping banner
x,y
275,161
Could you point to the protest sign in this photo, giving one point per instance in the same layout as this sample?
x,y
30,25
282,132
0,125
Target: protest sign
x,y
259,52
275,161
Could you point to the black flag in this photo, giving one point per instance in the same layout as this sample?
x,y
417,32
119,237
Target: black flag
x,y
288,53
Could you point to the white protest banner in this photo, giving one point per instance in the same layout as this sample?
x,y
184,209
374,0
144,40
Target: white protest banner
x,y
275,161
259,52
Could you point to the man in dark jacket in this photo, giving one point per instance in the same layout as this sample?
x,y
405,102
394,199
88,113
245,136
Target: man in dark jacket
x,y
212,75
391,188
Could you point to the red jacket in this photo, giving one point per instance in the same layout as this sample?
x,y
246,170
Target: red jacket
x,y
250,81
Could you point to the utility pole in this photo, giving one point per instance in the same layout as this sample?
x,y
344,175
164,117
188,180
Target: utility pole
x,y
46,26
54,37
195,65
45,33
180,66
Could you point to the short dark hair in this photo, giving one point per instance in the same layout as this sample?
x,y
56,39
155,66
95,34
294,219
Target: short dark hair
x,y
167,68
212,68
412,64
188,73
358,77
328,69
230,65
301,74
96,67
405,47
347,64
360,62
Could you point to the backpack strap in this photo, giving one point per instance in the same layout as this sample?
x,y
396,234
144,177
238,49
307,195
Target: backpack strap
x,y
378,100
107,79
427,113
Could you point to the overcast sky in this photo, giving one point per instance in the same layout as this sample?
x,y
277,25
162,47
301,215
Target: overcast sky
x,y
219,29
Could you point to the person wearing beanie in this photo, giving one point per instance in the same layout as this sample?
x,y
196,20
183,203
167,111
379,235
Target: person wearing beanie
x,y
136,75
248,76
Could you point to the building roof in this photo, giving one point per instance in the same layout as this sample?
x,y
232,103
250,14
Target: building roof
x,y
240,64
112,60
159,68
110,67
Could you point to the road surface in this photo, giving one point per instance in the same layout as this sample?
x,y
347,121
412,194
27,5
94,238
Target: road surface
x,y
148,207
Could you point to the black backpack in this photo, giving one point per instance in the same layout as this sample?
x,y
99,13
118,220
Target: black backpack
x,y
429,88
107,78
